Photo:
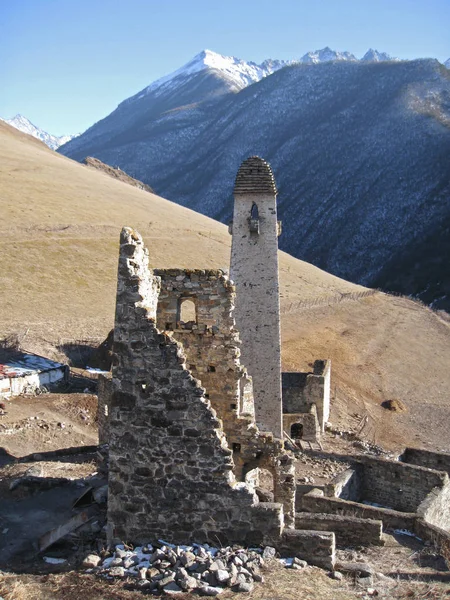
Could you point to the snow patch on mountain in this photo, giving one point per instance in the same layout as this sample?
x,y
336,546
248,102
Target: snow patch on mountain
x,y
26,126
374,56
239,72
326,55
447,63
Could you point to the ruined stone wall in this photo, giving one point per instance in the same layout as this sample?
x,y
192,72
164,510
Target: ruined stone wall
x,y
321,386
316,547
435,509
254,270
347,485
212,346
316,502
171,469
440,461
397,485
293,386
301,390
349,531
308,421
211,343
436,535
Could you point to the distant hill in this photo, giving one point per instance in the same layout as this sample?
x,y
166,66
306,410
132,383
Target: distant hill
x,y
359,148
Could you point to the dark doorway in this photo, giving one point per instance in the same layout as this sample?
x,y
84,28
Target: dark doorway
x,y
297,431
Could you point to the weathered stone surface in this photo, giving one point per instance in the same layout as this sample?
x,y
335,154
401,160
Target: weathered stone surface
x,y
348,530
160,472
91,561
254,270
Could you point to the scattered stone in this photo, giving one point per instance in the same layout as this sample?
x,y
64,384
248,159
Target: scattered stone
x,y
300,563
337,575
269,553
172,588
130,562
91,561
222,576
177,569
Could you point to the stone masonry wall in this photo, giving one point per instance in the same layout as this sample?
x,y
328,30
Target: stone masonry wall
x,y
254,270
308,421
316,502
212,346
301,390
171,470
346,485
440,461
397,485
435,509
348,530
436,535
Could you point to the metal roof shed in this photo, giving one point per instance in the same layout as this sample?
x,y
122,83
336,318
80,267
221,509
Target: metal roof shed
x,y
21,371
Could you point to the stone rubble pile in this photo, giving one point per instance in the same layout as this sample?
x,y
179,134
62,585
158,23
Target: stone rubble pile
x,y
176,569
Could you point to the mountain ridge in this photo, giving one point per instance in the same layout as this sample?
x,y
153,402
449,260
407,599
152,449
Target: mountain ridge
x,y
358,149
24,125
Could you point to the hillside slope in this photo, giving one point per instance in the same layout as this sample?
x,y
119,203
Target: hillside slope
x,y
58,260
359,149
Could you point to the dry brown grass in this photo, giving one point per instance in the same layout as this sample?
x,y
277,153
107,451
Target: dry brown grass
x,y
309,584
58,251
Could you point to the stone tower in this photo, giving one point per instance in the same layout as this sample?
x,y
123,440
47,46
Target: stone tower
x,y
254,270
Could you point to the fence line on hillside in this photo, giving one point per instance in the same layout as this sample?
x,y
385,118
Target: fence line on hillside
x,y
326,301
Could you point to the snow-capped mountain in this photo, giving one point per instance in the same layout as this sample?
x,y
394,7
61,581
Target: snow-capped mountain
x,y
357,152
326,55
447,63
238,73
374,56
26,126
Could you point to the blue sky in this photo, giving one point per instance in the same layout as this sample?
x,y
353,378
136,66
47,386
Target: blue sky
x,y
65,64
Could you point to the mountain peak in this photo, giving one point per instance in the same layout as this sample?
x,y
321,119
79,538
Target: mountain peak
x,y
239,73
374,56
326,55
24,124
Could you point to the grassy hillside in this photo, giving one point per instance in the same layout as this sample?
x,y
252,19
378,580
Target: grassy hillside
x,y
59,242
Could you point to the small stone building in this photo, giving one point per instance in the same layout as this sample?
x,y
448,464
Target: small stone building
x,y
306,401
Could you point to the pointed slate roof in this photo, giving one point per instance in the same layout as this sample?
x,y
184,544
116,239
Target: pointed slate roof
x,y
255,177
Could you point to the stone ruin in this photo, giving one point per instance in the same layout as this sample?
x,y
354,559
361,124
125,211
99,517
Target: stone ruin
x,y
194,437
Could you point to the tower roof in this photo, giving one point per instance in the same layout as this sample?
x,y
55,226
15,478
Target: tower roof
x,y
255,177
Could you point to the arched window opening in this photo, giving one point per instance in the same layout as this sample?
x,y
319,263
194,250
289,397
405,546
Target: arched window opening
x,y
297,431
254,213
254,219
187,311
